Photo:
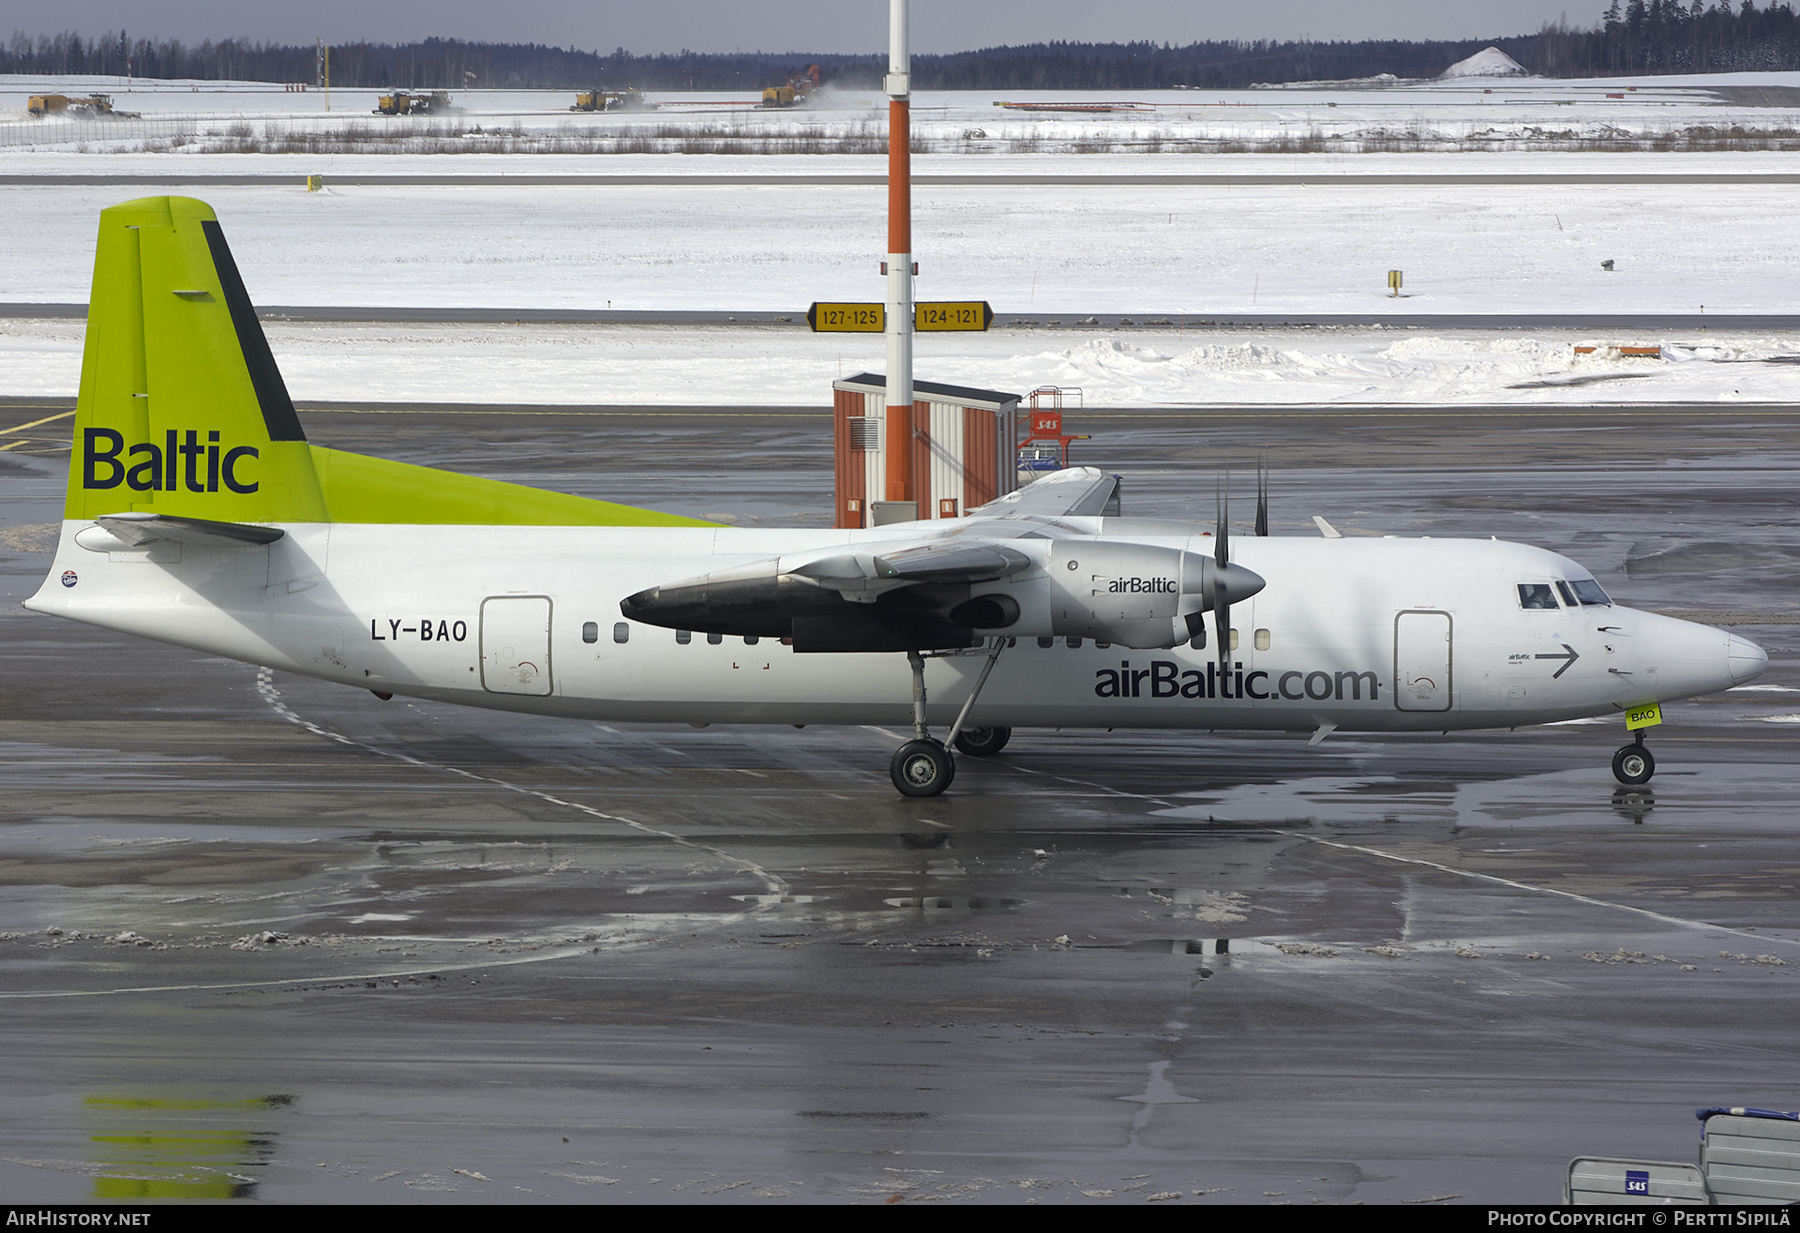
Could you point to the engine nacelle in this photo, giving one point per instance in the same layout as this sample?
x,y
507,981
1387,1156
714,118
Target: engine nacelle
x,y
1144,596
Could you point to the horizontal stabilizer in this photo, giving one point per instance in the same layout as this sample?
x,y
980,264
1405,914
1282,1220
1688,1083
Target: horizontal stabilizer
x,y
141,528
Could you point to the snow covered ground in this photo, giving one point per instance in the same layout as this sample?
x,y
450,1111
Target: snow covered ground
x,y
1526,114
1035,251
764,366
1028,249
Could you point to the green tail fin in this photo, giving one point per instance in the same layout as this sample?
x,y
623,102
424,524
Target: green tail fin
x,y
183,411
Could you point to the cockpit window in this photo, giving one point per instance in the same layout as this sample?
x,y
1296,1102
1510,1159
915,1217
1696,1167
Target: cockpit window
x,y
1589,592
1537,595
1569,599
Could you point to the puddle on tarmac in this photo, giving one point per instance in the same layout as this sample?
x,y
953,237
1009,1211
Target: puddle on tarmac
x,y
161,1148
1754,795
954,903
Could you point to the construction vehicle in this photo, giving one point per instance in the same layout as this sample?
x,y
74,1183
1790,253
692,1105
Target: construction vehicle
x,y
793,91
93,105
404,103
628,99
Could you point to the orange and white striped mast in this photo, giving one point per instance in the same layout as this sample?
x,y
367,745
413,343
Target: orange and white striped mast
x,y
898,86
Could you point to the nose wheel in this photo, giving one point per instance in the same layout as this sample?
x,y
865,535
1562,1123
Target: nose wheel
x,y
1634,763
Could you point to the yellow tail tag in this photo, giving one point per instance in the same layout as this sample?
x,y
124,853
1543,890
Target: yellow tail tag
x,y
1646,716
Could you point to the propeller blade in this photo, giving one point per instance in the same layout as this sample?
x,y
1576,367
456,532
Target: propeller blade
x,y
1222,622
1222,564
1262,493
1222,541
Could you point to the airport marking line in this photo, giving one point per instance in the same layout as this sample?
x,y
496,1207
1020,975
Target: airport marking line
x,y
60,415
265,685
1662,917
305,980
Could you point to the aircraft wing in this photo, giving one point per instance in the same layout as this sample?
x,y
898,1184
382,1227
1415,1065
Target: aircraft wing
x,y
1075,492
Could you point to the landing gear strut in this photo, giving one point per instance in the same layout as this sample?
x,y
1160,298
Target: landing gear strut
x,y
923,766
1633,764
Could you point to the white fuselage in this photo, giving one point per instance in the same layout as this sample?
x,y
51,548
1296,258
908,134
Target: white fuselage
x,y
1363,634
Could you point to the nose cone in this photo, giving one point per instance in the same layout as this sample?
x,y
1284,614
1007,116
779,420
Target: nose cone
x,y
1745,660
1240,583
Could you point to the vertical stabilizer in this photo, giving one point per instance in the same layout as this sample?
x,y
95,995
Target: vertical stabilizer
x,y
182,410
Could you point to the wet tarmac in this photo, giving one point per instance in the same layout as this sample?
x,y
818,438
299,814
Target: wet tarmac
x,y
267,938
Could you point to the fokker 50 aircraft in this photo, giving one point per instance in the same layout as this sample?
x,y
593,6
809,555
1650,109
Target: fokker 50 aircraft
x,y
198,514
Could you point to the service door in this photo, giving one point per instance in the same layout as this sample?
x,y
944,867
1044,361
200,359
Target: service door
x,y
515,645
1422,661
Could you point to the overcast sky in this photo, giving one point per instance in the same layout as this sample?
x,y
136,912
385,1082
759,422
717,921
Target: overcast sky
x,y
793,25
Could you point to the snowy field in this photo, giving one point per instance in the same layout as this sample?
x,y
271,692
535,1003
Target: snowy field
x,y
1464,113
777,239
1028,249
763,366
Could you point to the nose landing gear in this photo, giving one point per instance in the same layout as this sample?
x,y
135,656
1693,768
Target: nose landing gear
x,y
1633,764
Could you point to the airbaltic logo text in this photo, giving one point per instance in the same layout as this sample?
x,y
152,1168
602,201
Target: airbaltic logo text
x,y
1164,678
166,468
1143,586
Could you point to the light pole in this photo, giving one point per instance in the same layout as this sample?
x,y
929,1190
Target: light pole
x,y
899,265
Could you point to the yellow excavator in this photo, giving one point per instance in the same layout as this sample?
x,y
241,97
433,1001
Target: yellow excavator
x,y
405,103
628,99
93,105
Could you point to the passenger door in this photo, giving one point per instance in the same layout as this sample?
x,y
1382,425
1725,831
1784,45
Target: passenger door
x,y
1422,661
515,645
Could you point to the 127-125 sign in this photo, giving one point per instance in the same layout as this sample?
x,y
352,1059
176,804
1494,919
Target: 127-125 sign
x,y
847,318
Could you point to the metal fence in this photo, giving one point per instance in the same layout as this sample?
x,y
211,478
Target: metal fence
x,y
102,131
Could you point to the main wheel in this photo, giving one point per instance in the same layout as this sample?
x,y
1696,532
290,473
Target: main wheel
x,y
983,742
1633,765
922,768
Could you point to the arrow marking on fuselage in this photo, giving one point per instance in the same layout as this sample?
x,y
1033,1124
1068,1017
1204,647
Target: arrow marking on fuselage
x,y
1569,659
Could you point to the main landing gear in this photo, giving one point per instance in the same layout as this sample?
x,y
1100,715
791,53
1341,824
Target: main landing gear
x,y
1634,764
923,766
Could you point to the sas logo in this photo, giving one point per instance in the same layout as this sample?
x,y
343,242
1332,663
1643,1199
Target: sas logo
x,y
174,465
1143,586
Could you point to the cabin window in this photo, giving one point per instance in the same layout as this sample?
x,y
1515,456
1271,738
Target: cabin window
x,y
1589,592
1262,639
1046,643
1198,641
1074,644
1537,595
622,632
1234,639
684,636
1568,596
715,639
751,639
590,631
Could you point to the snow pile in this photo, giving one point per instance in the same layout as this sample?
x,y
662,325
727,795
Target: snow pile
x,y
1488,62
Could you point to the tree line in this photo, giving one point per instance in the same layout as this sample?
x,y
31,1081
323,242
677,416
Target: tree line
x,y
1641,36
